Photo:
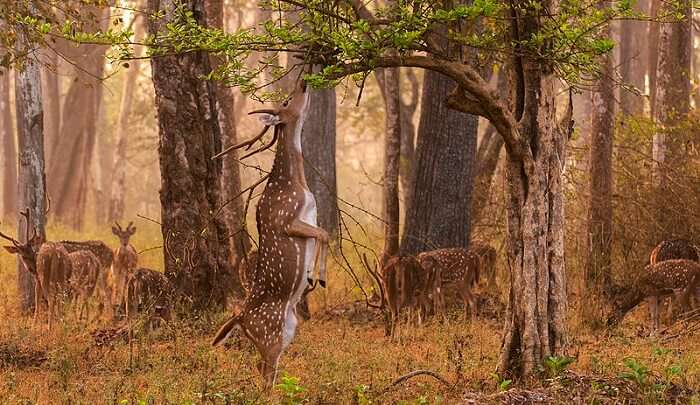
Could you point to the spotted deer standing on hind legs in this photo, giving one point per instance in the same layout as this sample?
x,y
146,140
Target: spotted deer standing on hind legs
x,y
290,242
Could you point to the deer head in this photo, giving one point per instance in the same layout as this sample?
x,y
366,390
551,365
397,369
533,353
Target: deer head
x,y
27,251
124,235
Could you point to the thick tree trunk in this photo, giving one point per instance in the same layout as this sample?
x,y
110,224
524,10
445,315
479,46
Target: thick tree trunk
x,y
535,325
438,211
118,186
8,158
633,62
408,133
597,280
392,157
231,176
196,242
318,144
32,179
72,153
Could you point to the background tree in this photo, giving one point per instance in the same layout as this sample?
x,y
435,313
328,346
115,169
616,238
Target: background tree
x,y
633,61
196,238
8,157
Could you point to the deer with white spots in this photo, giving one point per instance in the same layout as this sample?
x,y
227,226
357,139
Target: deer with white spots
x,y
290,242
125,261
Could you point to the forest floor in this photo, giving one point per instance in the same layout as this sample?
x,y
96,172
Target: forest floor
x,y
340,356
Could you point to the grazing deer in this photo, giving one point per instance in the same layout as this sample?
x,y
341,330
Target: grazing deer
x,y
487,260
85,271
407,285
148,291
125,261
455,266
53,273
669,250
658,281
290,242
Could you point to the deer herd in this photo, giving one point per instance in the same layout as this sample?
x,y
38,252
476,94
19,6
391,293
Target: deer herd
x,y
76,271
291,261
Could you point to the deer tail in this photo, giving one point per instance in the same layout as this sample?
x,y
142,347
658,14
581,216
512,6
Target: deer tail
x,y
227,330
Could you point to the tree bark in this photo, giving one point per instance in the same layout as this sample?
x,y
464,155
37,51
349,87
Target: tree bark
x,y
32,178
196,239
653,38
318,145
8,159
598,279
633,62
118,186
438,211
72,152
408,132
52,99
231,176
392,159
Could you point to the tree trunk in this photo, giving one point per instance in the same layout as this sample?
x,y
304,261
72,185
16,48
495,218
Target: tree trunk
x,y
318,145
597,281
8,159
653,54
535,325
633,62
196,240
231,176
32,179
72,152
392,158
438,211
408,132
120,159
51,99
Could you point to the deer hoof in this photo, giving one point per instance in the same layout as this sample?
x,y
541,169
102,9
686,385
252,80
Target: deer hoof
x,y
322,283
310,281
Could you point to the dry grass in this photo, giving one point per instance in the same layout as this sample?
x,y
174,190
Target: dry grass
x,y
341,356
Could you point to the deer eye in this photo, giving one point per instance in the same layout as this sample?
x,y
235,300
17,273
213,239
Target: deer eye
x,y
285,103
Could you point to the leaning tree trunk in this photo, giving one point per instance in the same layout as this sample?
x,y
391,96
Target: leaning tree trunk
x,y
8,159
318,144
32,179
196,244
598,277
231,173
120,160
392,157
438,211
633,62
535,324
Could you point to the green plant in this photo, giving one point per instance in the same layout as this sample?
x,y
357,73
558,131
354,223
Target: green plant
x,y
293,393
502,383
637,372
557,364
359,395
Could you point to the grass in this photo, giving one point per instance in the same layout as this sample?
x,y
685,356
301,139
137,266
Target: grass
x,y
341,356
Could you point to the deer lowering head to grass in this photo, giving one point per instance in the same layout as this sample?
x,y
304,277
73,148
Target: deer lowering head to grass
x,y
456,267
105,257
85,271
487,260
290,242
657,281
406,285
125,261
148,292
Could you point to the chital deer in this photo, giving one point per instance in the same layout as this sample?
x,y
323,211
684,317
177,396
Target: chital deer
x,y
148,291
53,273
125,261
487,260
407,285
458,267
85,270
105,256
658,281
670,250
290,242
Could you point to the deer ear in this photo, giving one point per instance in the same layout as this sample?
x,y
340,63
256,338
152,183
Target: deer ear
x,y
12,249
132,231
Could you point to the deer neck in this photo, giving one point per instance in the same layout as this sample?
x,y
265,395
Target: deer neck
x,y
289,161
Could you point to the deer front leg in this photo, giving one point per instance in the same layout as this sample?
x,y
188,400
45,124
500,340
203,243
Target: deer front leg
x,y
301,229
654,312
